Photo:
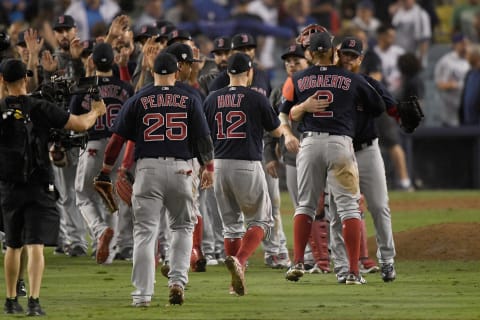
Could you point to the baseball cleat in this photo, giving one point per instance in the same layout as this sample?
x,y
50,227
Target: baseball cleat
x,y
12,306
176,295
238,276
367,265
319,269
33,308
341,278
295,272
352,278
388,272
165,269
21,289
103,247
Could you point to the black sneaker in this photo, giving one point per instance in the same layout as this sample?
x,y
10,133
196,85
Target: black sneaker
x,y
77,251
34,308
12,306
388,272
21,289
124,254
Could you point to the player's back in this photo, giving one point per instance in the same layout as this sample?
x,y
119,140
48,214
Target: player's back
x,y
237,117
344,90
114,93
161,121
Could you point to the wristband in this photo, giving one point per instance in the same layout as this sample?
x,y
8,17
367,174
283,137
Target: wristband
x,y
210,167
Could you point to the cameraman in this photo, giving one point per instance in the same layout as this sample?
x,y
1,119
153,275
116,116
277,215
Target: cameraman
x,y
29,211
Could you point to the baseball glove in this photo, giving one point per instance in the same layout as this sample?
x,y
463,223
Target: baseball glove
x,y
410,113
123,185
103,185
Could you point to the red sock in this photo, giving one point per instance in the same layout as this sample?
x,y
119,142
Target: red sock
x,y
198,234
232,245
250,242
302,226
351,235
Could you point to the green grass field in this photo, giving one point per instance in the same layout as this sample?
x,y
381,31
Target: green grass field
x,y
77,288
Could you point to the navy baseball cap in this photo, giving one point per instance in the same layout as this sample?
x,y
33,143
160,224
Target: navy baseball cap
x,y
165,63
353,45
178,35
320,41
64,22
183,52
146,31
295,50
14,70
238,63
222,44
102,55
243,40
165,31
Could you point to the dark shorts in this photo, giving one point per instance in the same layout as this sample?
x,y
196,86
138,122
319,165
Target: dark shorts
x,y
30,215
388,131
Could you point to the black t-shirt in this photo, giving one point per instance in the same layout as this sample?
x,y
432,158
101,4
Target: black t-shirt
x,y
44,116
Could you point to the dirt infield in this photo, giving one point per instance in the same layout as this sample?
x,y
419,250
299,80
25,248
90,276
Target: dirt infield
x,y
448,241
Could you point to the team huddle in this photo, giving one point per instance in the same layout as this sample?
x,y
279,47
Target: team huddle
x,y
193,150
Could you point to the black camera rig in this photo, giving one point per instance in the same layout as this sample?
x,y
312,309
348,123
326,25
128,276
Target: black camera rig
x,y
59,91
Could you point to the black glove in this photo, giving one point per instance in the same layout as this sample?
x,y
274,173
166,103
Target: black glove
x,y
411,114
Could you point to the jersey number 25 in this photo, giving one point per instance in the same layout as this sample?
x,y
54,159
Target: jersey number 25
x,y
176,128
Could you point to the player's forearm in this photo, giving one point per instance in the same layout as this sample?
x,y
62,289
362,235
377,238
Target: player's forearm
x,y
297,112
112,151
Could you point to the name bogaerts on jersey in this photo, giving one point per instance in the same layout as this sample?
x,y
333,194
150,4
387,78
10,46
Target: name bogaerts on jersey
x,y
324,81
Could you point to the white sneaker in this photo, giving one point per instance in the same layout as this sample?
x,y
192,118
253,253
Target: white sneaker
x,y
211,261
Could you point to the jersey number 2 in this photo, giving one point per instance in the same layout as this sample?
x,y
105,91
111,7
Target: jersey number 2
x,y
235,120
176,130
327,95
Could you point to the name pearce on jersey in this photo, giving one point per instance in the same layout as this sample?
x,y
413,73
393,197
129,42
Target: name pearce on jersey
x,y
164,100
324,81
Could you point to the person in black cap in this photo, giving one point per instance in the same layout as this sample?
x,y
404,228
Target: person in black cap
x,y
28,200
244,42
145,32
373,183
237,116
28,47
222,47
184,55
114,92
327,149
66,62
163,174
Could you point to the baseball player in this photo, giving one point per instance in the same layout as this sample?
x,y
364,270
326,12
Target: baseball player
x,y
66,62
114,92
165,122
238,116
373,184
316,260
326,149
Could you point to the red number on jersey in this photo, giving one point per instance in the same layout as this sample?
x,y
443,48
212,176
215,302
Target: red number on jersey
x,y
236,119
112,112
328,95
176,129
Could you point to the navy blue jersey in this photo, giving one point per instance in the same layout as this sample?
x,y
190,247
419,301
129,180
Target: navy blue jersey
x,y
237,117
194,93
365,126
345,92
260,82
114,93
164,121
